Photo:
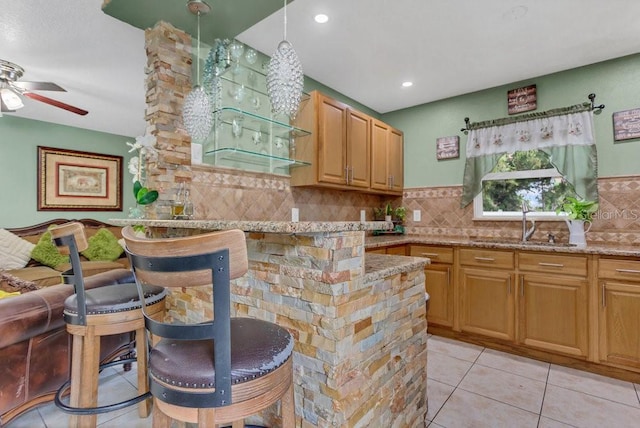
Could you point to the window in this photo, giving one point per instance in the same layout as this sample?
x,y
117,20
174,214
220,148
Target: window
x,y
526,176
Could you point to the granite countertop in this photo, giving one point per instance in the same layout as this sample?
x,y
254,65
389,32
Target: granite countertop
x,y
378,266
599,249
261,226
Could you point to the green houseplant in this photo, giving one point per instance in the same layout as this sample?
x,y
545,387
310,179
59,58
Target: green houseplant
x,y
579,212
578,209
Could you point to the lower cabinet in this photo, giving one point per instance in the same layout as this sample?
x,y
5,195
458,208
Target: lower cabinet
x,y
438,282
619,312
553,302
487,293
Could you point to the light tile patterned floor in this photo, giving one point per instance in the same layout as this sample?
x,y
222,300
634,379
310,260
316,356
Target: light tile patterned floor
x,y
469,386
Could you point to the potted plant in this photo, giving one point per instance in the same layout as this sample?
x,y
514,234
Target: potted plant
x,y
579,212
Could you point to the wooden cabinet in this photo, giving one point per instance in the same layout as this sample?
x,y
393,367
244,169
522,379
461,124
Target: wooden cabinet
x,y
487,292
395,250
438,282
387,162
553,302
619,312
340,149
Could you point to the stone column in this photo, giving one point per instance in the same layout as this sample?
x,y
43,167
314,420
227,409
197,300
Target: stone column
x,y
168,81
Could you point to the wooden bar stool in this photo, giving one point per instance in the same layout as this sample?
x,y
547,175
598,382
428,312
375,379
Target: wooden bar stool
x,y
217,371
90,314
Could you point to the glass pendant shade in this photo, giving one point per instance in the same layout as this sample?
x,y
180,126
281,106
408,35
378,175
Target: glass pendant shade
x,y
196,114
285,80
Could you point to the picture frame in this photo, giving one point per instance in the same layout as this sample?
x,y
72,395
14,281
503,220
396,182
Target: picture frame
x,y
70,180
626,124
448,147
522,99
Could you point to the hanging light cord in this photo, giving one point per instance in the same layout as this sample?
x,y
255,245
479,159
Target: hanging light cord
x,y
285,20
198,54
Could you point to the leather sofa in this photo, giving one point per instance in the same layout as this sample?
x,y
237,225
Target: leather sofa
x,y
35,347
43,276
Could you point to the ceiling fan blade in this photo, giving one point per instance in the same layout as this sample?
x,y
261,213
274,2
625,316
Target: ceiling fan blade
x,y
55,103
38,86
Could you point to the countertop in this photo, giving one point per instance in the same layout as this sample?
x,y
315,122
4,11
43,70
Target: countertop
x,y
378,266
261,226
599,249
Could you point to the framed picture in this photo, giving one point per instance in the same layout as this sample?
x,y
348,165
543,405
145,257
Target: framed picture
x,y
447,147
78,181
626,124
522,99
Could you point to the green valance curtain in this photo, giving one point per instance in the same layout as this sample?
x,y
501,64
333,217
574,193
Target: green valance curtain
x,y
565,134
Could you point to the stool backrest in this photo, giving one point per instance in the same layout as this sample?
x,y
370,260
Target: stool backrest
x,y
204,243
70,240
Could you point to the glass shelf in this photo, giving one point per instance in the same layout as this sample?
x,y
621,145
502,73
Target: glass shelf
x,y
252,122
255,158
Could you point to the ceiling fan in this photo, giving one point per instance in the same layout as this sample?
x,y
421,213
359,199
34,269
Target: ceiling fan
x,y
11,89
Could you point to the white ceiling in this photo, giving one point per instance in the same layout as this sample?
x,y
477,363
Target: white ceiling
x,y
365,51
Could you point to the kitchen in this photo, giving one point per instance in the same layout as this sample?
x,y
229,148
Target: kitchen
x,y
275,198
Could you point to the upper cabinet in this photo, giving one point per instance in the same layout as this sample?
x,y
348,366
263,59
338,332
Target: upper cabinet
x,y
340,148
387,165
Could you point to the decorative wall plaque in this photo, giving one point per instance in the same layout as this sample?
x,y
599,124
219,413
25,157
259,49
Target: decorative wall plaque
x,y
447,147
522,99
626,124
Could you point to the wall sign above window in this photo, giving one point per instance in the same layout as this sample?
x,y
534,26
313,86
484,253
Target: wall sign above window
x,y
448,147
522,99
626,124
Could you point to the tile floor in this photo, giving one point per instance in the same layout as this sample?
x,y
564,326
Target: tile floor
x,y
469,386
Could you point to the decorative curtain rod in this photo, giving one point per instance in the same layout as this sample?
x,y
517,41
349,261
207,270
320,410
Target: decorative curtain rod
x,y
524,117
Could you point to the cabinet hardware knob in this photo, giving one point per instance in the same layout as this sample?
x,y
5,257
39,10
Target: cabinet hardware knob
x,y
485,259
557,265
627,271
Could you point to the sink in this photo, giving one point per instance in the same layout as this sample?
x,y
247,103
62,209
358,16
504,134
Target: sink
x,y
525,243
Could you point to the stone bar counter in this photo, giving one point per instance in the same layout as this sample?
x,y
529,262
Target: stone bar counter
x,y
360,356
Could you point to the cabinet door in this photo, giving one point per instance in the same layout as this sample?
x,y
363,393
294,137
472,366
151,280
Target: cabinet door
x,y
488,303
554,313
358,149
439,286
396,160
620,323
379,173
332,148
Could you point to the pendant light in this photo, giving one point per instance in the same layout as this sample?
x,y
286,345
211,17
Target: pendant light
x,y
285,78
196,112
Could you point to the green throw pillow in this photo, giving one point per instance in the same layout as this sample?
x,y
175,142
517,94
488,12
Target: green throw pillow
x,y
47,253
103,246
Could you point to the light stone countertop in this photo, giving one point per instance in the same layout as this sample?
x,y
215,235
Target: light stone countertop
x,y
378,266
599,249
261,226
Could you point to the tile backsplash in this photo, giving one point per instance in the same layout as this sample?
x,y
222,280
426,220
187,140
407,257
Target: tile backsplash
x,y
238,195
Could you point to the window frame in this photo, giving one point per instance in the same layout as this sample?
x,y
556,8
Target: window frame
x,y
478,209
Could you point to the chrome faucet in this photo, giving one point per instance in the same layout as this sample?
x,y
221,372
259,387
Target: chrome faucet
x,y
526,234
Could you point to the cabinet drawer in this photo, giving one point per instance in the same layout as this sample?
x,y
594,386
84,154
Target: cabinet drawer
x,y
619,269
436,254
491,258
553,263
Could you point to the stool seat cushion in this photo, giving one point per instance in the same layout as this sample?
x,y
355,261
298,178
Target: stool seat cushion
x,y
114,298
257,348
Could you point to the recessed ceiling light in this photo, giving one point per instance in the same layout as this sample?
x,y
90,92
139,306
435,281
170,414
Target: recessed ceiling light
x,y
407,84
321,18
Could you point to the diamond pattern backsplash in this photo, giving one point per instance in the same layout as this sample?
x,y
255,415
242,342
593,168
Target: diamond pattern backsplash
x,y
239,195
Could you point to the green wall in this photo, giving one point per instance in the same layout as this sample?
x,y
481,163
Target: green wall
x,y
19,141
616,84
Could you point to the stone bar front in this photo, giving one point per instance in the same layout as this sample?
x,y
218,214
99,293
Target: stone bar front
x,y
360,356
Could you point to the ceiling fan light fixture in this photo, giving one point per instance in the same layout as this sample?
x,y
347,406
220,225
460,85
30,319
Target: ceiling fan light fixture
x,y
11,99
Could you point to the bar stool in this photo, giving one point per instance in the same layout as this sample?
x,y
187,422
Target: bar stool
x,y
90,314
217,371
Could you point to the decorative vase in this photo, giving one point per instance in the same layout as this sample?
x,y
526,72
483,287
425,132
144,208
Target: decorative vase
x,y
577,232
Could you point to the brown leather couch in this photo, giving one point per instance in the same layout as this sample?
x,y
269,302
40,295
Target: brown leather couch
x,y
35,348
43,276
